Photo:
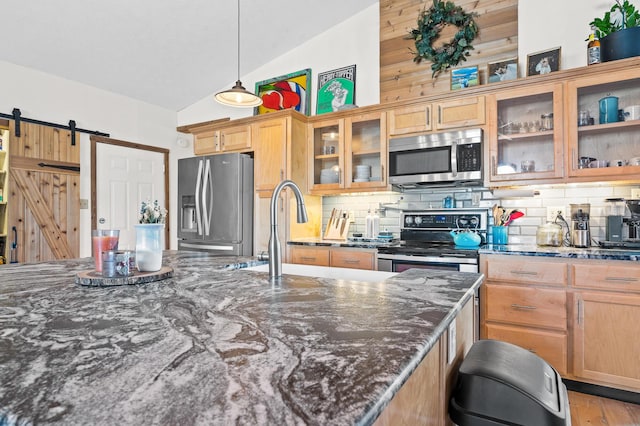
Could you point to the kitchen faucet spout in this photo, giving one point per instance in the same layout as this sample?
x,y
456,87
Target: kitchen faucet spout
x,y
275,251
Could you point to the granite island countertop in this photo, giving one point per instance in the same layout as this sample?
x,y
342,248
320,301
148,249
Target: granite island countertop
x,y
213,344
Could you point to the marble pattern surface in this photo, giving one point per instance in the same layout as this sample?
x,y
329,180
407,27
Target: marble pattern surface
x,y
563,252
213,344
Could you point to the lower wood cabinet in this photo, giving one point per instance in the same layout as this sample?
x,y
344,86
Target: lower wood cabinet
x,y
339,257
424,398
580,315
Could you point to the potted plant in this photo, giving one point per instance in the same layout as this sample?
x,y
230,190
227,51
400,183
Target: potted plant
x,y
618,31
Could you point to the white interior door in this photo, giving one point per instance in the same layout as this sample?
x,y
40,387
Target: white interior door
x,y
124,178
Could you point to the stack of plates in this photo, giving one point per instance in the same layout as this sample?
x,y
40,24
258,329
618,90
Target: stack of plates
x,y
363,173
330,175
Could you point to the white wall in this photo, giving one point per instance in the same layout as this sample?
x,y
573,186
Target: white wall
x,y
354,41
48,98
546,24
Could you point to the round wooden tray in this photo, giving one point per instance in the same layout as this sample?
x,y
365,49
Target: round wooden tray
x,y
95,279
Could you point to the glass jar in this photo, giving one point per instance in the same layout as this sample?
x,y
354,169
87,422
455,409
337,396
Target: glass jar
x,y
547,121
549,234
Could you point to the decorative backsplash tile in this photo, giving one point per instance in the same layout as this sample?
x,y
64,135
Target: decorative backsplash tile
x,y
521,231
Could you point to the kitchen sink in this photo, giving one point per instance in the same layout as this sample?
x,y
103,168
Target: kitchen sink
x,y
328,272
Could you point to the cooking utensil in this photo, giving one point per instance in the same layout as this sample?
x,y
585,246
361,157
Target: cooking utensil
x,y
515,214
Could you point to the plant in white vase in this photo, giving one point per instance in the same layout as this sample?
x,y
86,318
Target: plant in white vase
x,y
149,236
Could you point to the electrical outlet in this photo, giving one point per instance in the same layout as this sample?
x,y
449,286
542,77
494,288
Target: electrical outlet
x,y
475,198
552,212
635,193
84,203
352,216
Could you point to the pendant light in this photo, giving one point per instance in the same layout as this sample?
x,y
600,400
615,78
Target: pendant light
x,y
238,96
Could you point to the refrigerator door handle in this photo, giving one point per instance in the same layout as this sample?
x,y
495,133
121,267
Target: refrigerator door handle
x,y
197,198
206,212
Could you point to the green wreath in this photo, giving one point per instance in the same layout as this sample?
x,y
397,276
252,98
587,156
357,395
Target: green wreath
x,y
430,22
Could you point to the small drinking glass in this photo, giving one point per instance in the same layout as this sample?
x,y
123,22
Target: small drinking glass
x,y
103,240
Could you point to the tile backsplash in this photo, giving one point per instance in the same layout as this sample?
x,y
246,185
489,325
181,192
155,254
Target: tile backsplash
x,y
521,231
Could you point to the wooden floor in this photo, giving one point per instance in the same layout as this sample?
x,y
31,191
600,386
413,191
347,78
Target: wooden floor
x,y
593,410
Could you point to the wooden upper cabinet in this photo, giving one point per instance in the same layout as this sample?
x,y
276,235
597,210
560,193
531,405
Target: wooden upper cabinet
x,y
205,141
462,112
237,138
411,119
270,147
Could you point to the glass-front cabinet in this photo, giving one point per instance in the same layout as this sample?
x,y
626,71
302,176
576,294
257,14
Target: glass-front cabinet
x,y
349,153
525,135
604,126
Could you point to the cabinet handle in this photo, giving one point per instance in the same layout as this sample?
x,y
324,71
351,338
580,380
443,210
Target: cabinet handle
x,y
523,307
622,279
494,168
281,174
428,120
351,262
439,114
580,312
533,351
308,258
574,163
529,273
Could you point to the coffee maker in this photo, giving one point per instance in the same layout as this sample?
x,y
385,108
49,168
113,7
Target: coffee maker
x,y
580,231
633,222
615,219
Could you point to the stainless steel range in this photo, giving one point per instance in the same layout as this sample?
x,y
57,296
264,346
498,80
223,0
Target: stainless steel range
x,y
426,241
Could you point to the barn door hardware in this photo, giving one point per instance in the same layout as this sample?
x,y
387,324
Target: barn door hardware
x,y
61,167
17,117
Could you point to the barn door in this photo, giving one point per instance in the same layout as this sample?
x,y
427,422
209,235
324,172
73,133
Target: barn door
x,y
44,193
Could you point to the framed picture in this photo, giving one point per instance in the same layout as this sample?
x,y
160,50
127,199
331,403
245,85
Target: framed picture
x,y
336,90
285,92
543,62
504,70
464,77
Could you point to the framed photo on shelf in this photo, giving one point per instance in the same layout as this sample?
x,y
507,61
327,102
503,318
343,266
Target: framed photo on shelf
x,y
464,77
543,62
285,92
506,69
336,90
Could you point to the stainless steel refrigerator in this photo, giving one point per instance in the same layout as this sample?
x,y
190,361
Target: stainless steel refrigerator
x,y
215,204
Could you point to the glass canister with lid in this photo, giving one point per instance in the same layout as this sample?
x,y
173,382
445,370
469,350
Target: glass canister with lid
x,y
549,234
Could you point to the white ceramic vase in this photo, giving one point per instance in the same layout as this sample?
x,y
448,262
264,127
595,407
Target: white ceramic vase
x,y
149,246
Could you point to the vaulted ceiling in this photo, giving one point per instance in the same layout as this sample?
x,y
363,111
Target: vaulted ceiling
x,y
170,53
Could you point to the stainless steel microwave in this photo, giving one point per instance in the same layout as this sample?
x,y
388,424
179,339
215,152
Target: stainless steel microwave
x,y
439,159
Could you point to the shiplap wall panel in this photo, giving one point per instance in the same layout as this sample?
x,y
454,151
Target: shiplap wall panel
x,y
401,78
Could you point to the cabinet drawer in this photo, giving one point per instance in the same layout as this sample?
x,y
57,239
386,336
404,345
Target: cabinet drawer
x,y
527,306
550,346
523,270
612,276
310,256
353,259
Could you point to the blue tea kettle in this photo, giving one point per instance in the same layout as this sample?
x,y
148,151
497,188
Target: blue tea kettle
x,y
608,109
466,238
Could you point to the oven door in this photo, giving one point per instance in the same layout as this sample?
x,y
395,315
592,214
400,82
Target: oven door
x,y
400,262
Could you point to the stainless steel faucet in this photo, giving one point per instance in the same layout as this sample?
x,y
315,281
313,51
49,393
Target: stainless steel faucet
x,y
275,251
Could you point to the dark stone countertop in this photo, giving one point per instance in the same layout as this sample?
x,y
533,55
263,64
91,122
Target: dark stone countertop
x,y
351,242
214,345
562,252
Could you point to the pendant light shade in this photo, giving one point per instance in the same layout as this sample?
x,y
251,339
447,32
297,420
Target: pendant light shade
x,y
238,96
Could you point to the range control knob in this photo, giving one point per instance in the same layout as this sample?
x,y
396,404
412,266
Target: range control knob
x,y
408,220
418,220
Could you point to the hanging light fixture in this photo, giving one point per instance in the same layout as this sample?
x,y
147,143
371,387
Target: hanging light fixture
x,y
238,96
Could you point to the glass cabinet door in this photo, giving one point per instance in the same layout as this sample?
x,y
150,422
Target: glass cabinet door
x,y
604,126
328,161
365,147
525,134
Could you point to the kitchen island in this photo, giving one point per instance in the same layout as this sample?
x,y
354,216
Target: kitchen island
x,y
214,344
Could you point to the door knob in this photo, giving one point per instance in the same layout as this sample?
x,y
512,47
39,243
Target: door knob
x,y
101,220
